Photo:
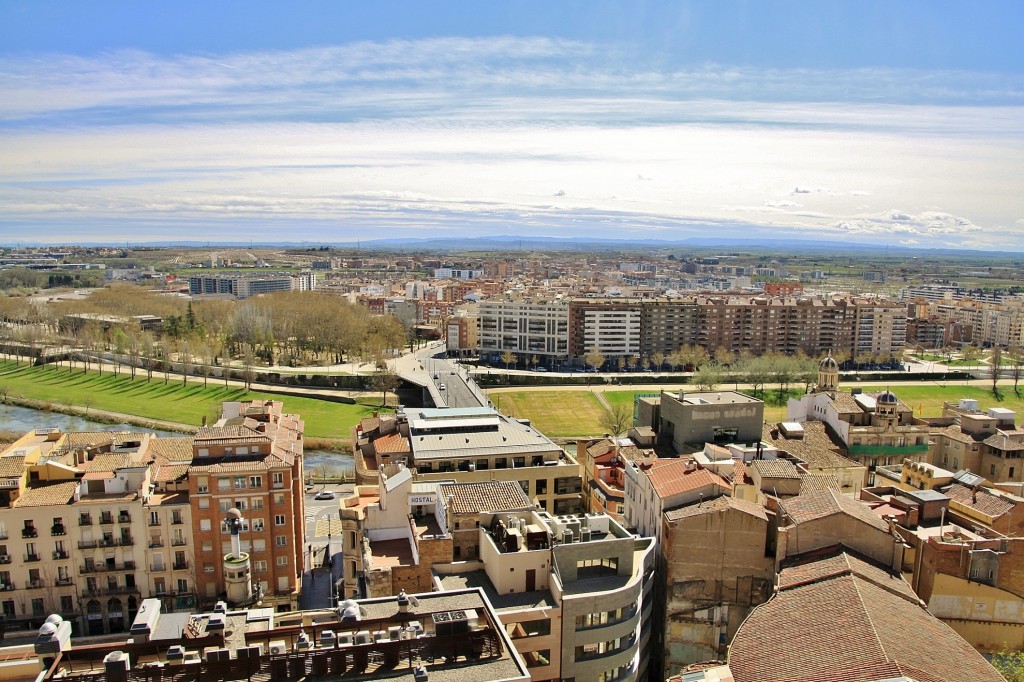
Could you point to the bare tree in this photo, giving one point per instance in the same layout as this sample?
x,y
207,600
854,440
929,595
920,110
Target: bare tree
x,y
386,381
185,357
595,359
996,360
1016,354
617,419
248,366
508,357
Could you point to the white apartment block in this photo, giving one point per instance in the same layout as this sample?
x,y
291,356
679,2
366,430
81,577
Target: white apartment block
x,y
612,333
524,327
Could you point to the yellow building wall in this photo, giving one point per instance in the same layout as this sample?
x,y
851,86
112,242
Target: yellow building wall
x,y
989,618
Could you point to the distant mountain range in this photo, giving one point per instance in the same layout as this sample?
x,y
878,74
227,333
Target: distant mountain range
x,y
511,243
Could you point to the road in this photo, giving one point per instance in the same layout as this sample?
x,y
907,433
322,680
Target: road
x,y
323,539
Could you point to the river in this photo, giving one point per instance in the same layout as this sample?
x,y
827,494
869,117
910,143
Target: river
x,y
21,419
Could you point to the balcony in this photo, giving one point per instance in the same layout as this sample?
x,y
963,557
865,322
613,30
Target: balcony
x,y
59,554
177,521
87,544
31,557
58,530
154,522
158,567
118,589
62,581
180,565
106,520
124,518
157,542
29,533
178,542
33,584
85,521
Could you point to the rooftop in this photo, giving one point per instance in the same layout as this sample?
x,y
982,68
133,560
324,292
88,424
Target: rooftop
x,y
473,498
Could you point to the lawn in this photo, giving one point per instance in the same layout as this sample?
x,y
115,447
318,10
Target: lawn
x,y
171,402
926,401
556,414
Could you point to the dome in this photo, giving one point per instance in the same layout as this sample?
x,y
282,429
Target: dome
x,y
54,618
828,363
47,629
886,398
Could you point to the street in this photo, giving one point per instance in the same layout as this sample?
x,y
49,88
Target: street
x,y
322,548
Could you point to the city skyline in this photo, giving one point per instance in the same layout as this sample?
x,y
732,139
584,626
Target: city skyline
x,y
865,123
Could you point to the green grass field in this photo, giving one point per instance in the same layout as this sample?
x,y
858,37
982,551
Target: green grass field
x,y
171,402
556,414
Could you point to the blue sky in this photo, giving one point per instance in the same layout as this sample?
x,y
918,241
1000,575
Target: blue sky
x,y
895,123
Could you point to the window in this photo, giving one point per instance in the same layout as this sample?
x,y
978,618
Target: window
x,y
256,503
992,469
37,607
224,505
278,519
260,566
207,545
277,479
223,484
259,545
255,481
67,604
207,568
204,502
1011,473
204,524
239,482
278,498
240,505
182,585
154,518
281,541
282,561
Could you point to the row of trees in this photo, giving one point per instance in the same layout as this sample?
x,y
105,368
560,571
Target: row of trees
x,y
291,328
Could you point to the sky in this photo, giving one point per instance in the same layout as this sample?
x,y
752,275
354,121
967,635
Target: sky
x,y
890,123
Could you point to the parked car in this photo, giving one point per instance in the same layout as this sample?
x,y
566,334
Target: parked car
x,y
441,386
324,495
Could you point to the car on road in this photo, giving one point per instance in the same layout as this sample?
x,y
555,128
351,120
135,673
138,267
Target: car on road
x,y
324,495
441,386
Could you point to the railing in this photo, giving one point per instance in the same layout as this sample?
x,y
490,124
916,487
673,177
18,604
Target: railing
x,y
156,543
60,554
104,568
33,584
63,581
177,521
178,542
180,565
154,522
31,557
58,530
87,544
106,520
85,521
124,518
29,533
120,589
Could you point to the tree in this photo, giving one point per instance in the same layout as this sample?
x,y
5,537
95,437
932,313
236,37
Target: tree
x,y
120,340
708,376
248,364
756,372
724,356
617,419
185,357
692,356
1010,665
534,360
386,381
996,360
659,360
595,359
970,354
508,357
1016,355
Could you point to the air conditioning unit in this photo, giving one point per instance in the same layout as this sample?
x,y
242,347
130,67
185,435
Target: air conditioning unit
x,y
175,654
363,637
251,651
214,655
5,558
278,648
35,583
217,622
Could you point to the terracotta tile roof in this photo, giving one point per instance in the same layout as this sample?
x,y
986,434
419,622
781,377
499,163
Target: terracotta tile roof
x,y
802,571
774,468
485,496
845,404
11,466
50,495
600,447
874,633
108,462
820,481
987,503
233,432
718,504
229,464
1002,441
954,432
670,477
739,474
172,449
813,505
818,447
165,473
392,443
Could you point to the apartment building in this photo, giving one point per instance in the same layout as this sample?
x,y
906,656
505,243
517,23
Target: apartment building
x,y
244,286
608,327
448,636
575,592
642,328
461,335
471,444
249,460
525,327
